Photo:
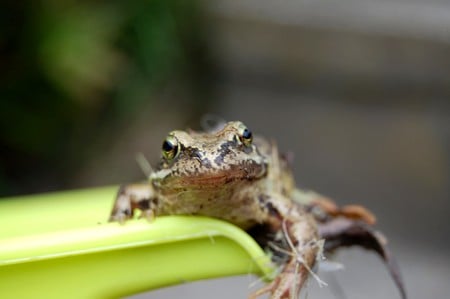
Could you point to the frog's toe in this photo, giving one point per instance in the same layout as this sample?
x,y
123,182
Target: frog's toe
x,y
286,286
122,209
148,214
278,289
358,212
264,290
120,215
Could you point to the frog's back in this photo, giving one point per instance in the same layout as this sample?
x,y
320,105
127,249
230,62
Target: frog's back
x,y
280,179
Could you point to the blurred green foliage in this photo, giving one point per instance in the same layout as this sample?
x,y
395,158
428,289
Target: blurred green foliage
x,y
70,68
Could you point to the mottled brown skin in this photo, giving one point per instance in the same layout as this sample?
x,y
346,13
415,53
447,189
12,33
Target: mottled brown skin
x,y
229,175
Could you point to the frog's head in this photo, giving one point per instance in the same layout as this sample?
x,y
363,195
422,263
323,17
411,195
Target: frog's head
x,y
194,160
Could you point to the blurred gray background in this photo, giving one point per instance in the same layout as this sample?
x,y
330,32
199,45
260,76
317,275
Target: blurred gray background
x,y
359,91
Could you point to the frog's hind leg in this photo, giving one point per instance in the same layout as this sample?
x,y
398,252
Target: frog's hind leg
x,y
298,241
323,207
132,197
343,232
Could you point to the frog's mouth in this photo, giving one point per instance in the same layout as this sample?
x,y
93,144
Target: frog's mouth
x,y
235,174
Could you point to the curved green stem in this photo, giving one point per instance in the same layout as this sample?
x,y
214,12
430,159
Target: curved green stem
x,y
60,245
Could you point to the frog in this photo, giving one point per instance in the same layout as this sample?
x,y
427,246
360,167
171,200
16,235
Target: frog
x,y
230,174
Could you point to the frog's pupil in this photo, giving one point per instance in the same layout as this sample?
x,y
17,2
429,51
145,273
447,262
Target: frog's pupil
x,y
167,146
247,134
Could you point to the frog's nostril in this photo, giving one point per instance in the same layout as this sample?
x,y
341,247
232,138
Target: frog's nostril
x,y
196,154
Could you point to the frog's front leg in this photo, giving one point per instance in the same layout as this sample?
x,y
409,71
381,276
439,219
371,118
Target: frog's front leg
x,y
298,240
132,197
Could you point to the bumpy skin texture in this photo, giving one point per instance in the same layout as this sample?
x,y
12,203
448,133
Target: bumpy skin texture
x,y
230,175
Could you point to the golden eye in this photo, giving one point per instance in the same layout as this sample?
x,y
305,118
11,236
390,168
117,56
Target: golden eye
x,y
170,147
245,135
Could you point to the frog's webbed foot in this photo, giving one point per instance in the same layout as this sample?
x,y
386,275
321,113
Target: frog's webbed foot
x,y
343,232
298,243
132,197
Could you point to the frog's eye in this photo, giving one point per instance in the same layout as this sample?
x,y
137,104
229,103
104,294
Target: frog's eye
x,y
170,147
245,135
